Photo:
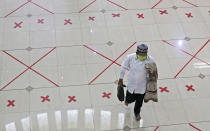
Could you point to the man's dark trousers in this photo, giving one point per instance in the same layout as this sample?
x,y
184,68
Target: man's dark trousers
x,y
137,98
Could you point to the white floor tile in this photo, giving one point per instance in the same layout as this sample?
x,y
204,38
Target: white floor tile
x,y
138,4
75,97
98,54
114,5
121,34
141,17
168,91
45,99
194,17
183,127
146,32
66,77
196,109
168,31
161,4
71,46
92,19
200,32
13,5
14,101
71,56
165,113
37,38
89,6
94,35
165,16
101,73
16,42
63,6
203,3
68,37
187,3
42,23
117,18
104,95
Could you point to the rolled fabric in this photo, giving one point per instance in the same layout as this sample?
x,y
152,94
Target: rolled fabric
x,y
151,89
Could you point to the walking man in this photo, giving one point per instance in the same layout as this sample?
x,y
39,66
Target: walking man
x,y
137,77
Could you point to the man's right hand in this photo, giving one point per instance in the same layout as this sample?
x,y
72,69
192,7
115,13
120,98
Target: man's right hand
x,y
120,82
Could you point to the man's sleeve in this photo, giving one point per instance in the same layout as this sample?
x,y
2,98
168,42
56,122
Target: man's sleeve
x,y
125,65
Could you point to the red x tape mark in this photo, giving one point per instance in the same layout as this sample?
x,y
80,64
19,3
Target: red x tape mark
x,y
29,67
164,89
190,3
29,1
209,12
18,25
193,56
156,4
91,18
115,15
11,103
72,98
189,15
189,88
163,12
156,128
111,63
67,22
107,95
46,98
141,16
106,0
195,127
40,21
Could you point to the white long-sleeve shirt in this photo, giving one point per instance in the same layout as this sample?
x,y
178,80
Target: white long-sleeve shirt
x,y
136,79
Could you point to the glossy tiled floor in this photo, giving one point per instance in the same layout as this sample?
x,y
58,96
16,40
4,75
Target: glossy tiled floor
x,y
60,59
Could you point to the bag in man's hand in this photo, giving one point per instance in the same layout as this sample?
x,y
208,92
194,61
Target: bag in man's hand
x,y
120,93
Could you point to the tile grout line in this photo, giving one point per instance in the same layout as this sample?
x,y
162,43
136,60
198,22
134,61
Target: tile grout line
x,y
115,10
100,44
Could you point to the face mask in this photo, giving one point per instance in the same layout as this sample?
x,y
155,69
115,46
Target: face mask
x,y
141,58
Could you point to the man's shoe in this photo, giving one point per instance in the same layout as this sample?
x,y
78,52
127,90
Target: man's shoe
x,y
138,117
126,103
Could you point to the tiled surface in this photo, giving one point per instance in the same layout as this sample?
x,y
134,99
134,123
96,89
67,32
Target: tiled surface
x,y
67,53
